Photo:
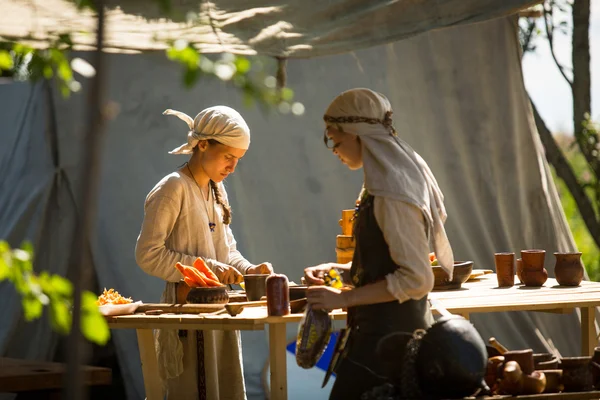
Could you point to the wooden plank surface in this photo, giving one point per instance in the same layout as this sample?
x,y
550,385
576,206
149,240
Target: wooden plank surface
x,y
474,297
18,375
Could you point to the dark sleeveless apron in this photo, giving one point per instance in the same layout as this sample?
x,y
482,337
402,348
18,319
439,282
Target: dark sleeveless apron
x,y
359,368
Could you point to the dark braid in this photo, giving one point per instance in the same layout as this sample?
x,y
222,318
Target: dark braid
x,y
219,199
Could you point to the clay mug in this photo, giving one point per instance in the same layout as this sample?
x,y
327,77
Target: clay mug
x,y
577,374
533,274
523,357
505,269
568,269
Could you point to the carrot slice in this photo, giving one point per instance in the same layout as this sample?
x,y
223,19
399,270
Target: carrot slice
x,y
201,266
190,282
194,275
209,282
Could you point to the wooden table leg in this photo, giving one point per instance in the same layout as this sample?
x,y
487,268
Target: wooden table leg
x,y
588,330
277,353
152,382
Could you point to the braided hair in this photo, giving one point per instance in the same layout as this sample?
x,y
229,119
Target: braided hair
x,y
219,199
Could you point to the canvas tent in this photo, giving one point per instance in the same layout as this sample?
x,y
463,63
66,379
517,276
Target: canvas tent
x,y
459,100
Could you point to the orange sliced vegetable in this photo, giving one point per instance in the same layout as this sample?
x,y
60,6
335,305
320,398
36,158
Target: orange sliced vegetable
x,y
190,282
201,266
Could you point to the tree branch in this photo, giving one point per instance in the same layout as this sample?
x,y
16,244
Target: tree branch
x,y
564,171
550,34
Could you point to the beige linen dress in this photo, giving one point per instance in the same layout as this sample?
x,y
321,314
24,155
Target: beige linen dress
x,y
176,229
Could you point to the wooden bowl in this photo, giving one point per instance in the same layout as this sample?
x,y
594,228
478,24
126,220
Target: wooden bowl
x,y
208,295
462,271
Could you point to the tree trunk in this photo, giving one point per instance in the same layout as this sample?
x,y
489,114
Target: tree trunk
x,y
564,171
582,102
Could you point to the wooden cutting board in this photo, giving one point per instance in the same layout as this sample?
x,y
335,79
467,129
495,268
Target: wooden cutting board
x,y
180,308
478,273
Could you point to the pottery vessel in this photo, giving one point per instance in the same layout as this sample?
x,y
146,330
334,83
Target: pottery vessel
x,y
523,357
577,374
553,380
208,295
533,273
519,269
534,383
568,269
505,269
255,286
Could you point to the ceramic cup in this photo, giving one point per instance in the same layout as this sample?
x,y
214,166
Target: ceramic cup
x,y
505,269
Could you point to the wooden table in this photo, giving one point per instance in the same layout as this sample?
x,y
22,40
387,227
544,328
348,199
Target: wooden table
x,y
479,296
484,295
40,379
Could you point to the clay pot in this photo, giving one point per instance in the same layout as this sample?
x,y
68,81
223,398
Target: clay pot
x,y
512,379
255,286
553,380
492,372
577,374
519,269
596,371
568,269
534,383
505,269
208,295
523,357
533,273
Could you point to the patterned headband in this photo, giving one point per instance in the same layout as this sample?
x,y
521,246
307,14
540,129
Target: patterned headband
x,y
386,121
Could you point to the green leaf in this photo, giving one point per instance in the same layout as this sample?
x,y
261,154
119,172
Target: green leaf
x,y
60,317
6,61
190,76
287,94
47,71
64,70
242,65
61,286
32,308
4,268
93,325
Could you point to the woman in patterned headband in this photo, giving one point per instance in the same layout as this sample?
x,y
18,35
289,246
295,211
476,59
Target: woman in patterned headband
x,y
186,216
400,211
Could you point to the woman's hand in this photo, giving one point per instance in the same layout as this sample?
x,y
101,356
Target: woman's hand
x,y
325,298
314,275
264,268
228,275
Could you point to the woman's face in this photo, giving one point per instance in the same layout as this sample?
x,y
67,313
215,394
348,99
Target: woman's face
x,y
218,160
346,146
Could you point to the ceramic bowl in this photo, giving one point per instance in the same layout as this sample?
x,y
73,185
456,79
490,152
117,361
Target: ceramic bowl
x,y
208,295
462,271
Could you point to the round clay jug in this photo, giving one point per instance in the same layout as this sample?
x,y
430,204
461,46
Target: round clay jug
x,y
533,274
568,269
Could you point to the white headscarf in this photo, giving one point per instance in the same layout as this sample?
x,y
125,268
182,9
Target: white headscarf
x,y
220,123
391,167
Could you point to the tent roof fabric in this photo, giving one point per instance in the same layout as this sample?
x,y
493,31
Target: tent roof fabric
x,y
300,29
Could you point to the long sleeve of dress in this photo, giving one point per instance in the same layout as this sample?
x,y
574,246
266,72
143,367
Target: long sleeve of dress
x,y
151,253
405,231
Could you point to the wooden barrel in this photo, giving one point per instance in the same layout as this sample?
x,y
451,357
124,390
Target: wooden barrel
x,y
346,222
344,241
344,255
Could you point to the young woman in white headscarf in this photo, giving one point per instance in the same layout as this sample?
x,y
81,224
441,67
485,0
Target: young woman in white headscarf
x,y
400,212
187,215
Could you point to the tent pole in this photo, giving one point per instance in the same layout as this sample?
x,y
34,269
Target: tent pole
x,y
87,195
